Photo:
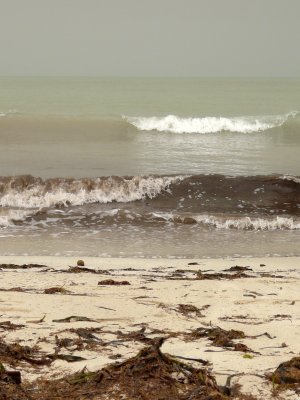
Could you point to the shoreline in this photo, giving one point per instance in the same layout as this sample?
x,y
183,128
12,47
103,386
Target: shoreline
x,y
165,297
94,261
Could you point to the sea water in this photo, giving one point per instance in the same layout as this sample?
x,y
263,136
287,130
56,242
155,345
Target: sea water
x,y
149,167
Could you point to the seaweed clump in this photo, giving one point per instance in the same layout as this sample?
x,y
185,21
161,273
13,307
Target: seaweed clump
x,y
287,373
150,375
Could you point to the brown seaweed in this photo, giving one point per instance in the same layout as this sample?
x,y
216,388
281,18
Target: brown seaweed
x,y
150,375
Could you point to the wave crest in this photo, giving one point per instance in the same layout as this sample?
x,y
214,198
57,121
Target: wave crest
x,y
241,223
9,112
29,192
175,124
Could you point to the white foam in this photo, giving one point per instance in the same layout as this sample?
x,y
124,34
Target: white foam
x,y
7,113
175,124
107,191
290,178
241,223
12,216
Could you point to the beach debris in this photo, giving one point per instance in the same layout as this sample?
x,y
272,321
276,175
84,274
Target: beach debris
x,y
199,360
287,373
255,293
56,289
217,334
202,275
193,263
281,316
219,275
138,336
87,333
188,309
65,343
9,326
106,308
14,353
242,319
23,266
15,376
74,318
248,356
115,356
37,321
221,338
150,375
269,275
262,334
180,272
238,268
79,269
13,289
65,357
80,263
10,385
86,340
113,282
249,295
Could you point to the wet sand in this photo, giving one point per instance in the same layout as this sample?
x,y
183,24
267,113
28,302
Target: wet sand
x,y
167,298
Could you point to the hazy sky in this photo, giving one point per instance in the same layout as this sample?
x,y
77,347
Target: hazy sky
x,y
150,37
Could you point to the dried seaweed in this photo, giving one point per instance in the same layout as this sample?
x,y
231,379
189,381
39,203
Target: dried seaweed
x,y
15,353
220,275
86,340
74,318
78,269
216,333
238,268
188,309
9,326
150,375
221,338
37,321
13,289
113,282
268,275
56,289
10,388
65,357
24,266
287,372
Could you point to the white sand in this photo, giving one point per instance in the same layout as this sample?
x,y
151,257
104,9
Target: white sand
x,y
254,305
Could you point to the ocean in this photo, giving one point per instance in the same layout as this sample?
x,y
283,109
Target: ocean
x,y
149,167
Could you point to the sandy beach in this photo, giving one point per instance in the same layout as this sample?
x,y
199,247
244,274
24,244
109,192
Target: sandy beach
x,y
54,306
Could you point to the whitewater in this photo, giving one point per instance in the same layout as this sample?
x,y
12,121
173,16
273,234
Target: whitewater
x,y
244,124
149,167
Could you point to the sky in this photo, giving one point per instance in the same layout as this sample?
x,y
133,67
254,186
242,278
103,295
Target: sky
x,y
150,37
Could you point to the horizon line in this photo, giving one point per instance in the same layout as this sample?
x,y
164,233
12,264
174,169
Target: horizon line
x,y
157,76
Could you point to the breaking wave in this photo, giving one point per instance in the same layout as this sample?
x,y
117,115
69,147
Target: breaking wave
x,y
259,203
244,124
30,192
9,112
291,178
121,217
242,223
12,216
